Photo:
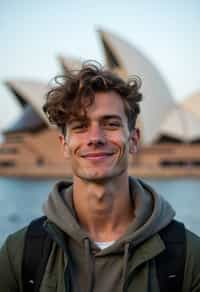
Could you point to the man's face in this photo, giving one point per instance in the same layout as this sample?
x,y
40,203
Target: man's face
x,y
98,145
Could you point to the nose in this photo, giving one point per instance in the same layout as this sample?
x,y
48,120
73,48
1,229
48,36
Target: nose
x,y
96,136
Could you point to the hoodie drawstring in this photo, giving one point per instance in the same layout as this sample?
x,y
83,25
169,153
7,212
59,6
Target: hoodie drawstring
x,y
125,264
90,265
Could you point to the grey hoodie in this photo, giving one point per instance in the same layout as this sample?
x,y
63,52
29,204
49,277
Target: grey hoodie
x,y
90,268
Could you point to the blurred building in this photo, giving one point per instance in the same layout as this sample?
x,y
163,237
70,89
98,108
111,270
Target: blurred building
x,y
170,131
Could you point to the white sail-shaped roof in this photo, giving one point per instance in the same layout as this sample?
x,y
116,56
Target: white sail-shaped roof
x,y
160,115
192,103
30,93
69,63
181,124
127,60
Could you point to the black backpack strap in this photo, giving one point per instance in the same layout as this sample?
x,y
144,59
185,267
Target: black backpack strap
x,y
37,248
171,262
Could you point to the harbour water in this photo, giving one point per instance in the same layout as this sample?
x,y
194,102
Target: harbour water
x,y
21,200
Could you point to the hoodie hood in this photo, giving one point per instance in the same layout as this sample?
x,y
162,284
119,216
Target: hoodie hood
x,y
152,213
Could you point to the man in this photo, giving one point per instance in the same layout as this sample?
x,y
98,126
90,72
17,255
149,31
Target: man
x,y
105,226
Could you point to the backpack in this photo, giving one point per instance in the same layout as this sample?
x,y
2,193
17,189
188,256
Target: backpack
x,y
170,263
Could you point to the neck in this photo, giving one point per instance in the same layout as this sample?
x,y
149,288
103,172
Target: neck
x,y
104,209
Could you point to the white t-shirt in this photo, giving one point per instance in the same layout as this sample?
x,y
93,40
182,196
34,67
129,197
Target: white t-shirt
x,y
104,244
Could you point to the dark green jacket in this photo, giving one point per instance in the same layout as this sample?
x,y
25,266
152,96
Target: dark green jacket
x,y
141,275
117,268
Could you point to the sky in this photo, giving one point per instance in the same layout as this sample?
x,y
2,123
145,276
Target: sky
x,y
34,33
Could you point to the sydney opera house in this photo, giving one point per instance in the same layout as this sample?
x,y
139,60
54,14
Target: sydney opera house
x,y
170,132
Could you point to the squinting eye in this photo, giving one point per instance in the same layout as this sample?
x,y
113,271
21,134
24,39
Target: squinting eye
x,y
112,125
79,127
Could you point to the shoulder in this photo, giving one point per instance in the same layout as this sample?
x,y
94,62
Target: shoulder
x,y
16,238
192,248
11,255
192,262
13,243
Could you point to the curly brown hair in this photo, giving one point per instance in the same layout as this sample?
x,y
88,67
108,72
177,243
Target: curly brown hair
x,y
75,92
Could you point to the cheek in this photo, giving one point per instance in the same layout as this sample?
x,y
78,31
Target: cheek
x,y
121,141
73,145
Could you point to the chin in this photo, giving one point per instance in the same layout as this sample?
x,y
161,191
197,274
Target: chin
x,y
100,177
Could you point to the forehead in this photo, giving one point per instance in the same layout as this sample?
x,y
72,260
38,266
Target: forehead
x,y
105,104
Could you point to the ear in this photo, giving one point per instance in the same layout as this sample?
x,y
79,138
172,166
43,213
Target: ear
x,y
64,146
134,140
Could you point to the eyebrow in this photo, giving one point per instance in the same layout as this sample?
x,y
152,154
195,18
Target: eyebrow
x,y
105,117
78,119
108,117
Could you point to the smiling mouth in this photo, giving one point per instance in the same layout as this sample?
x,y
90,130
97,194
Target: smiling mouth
x,y
97,156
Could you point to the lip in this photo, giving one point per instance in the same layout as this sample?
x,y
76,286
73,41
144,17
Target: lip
x,y
97,156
